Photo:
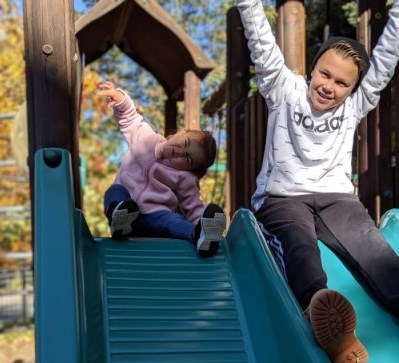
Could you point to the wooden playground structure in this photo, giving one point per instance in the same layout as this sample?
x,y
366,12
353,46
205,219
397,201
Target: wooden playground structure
x,y
143,30
55,60
154,300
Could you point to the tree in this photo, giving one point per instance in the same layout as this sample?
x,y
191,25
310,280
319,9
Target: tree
x,y
14,188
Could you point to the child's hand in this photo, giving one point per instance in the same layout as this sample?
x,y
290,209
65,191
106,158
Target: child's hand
x,y
111,94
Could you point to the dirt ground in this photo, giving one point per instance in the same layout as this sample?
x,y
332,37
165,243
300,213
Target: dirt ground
x,y
17,345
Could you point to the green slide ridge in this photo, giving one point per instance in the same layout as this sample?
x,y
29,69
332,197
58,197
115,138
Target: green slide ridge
x,y
154,300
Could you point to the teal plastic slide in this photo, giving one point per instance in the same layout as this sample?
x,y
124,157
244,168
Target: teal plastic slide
x,y
154,300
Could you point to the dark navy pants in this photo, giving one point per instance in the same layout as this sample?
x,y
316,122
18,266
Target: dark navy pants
x,y
292,226
157,224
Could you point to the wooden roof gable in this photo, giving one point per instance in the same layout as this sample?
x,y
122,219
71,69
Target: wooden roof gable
x,y
144,31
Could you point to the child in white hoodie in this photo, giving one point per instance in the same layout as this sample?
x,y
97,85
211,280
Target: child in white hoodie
x,y
304,190
158,176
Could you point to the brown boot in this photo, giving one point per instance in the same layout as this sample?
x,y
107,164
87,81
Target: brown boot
x,y
333,320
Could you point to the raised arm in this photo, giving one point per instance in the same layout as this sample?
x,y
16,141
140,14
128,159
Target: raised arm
x,y
130,122
273,75
383,61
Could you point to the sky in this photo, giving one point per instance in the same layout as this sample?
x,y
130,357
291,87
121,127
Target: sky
x,y
79,6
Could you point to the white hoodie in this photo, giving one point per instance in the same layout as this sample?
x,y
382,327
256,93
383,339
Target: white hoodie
x,y
310,151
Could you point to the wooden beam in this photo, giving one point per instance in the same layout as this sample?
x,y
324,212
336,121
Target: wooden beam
x,y
215,102
122,23
291,34
52,64
362,160
382,125
395,137
170,116
376,182
237,88
191,101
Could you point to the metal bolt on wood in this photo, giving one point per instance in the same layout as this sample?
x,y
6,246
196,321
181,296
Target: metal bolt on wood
x,y
47,49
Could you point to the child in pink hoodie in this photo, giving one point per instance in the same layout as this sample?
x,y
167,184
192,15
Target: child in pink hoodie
x,y
157,177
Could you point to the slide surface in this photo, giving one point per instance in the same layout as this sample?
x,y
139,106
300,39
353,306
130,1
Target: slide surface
x,y
155,300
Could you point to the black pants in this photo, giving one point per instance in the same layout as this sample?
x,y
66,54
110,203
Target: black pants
x,y
292,226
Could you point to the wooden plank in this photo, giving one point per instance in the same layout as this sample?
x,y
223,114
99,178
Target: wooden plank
x,y
363,161
246,167
215,102
383,124
395,137
170,116
251,177
378,197
120,26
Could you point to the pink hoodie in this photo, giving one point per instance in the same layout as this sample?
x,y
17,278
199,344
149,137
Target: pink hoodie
x,y
152,184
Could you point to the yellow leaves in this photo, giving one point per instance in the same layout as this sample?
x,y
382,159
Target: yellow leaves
x,y
15,229
12,65
211,192
93,199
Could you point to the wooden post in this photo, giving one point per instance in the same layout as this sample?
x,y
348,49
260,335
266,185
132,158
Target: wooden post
x,y
376,187
191,101
170,116
52,57
382,126
255,137
395,148
363,162
237,88
291,34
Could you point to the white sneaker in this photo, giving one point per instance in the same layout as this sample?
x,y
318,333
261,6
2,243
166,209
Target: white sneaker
x,y
124,214
210,230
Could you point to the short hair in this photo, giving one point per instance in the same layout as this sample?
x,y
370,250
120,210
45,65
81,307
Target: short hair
x,y
344,49
208,144
348,48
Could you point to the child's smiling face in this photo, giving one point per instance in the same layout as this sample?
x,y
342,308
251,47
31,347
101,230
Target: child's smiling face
x,y
333,79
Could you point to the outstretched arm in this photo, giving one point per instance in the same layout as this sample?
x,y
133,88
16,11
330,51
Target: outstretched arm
x,y
130,122
383,61
273,75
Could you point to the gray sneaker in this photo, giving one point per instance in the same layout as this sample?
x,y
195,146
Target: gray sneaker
x,y
122,218
209,231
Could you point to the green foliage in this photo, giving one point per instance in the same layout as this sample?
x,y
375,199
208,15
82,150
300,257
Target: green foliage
x,y
350,11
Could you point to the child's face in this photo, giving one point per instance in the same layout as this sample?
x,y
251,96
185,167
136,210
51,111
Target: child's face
x,y
184,152
333,79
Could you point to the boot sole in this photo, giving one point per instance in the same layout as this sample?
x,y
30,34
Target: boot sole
x,y
333,320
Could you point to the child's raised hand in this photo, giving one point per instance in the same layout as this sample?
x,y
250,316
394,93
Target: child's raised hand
x,y
112,95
